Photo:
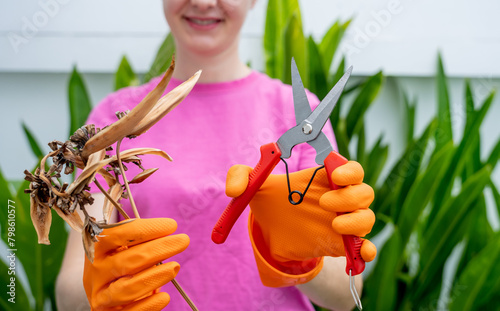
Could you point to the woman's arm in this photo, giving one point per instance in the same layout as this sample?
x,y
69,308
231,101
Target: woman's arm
x,y
330,288
70,294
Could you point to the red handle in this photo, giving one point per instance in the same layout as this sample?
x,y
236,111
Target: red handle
x,y
269,157
352,243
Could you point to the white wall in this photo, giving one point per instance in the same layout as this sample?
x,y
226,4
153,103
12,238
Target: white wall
x,y
40,41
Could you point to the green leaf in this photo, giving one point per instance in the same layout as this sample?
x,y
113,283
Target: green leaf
x,y
330,43
381,288
447,229
469,106
290,8
368,93
474,163
21,299
28,247
341,138
494,155
276,51
388,193
479,232
35,147
335,116
278,15
79,102
361,152
295,46
410,118
422,190
162,59
272,37
496,195
444,130
460,157
375,162
338,74
409,169
5,197
492,303
125,75
317,77
479,280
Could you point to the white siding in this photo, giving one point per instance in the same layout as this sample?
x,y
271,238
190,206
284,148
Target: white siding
x,y
400,37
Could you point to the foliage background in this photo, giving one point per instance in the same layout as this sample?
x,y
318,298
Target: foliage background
x,y
429,190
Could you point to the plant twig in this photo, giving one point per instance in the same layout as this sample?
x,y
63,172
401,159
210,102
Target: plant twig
x,y
136,213
184,295
131,198
44,159
117,206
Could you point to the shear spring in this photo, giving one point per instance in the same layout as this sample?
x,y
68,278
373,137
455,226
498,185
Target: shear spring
x,y
354,292
301,194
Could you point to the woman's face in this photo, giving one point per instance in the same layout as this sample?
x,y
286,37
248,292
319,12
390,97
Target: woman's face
x,y
206,26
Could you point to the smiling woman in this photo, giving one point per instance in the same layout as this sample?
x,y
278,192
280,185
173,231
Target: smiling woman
x,y
379,37
253,109
206,32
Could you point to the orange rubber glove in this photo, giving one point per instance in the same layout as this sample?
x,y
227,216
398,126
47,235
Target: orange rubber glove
x,y
289,241
125,274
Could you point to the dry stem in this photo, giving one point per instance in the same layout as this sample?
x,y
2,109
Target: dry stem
x,y
131,198
184,295
117,206
136,213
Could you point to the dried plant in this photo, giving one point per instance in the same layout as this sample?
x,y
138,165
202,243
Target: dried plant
x,y
86,150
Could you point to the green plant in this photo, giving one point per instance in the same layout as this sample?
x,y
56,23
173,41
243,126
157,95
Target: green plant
x,y
431,200
40,262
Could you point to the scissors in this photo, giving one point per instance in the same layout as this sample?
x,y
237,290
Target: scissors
x,y
308,130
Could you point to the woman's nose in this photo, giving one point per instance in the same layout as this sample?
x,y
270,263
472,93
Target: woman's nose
x,y
204,4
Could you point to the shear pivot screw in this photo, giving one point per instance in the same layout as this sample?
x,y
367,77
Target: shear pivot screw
x,y
307,129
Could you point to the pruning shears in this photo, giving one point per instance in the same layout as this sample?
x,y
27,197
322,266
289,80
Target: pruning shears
x,y
308,130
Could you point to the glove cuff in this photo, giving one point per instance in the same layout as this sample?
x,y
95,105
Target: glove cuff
x,y
279,274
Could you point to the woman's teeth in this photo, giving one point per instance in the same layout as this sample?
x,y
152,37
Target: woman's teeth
x,y
203,22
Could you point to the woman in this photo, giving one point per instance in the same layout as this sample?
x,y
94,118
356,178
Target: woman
x,y
223,121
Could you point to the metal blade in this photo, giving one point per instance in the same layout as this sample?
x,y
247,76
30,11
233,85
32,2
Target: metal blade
x,y
322,113
300,102
322,146
309,130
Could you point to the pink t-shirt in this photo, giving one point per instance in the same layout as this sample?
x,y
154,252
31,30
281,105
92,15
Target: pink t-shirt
x,y
216,126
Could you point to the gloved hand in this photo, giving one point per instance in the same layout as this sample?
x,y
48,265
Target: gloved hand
x,y
290,241
124,275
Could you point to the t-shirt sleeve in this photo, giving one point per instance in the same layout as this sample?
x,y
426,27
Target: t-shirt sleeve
x,y
307,153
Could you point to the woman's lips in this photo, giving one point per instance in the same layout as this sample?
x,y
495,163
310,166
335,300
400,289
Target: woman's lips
x,y
203,23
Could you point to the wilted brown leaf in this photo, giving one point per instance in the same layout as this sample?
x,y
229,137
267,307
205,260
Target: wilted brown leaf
x,y
87,174
110,179
42,219
142,176
165,105
89,236
121,128
72,219
115,192
91,168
